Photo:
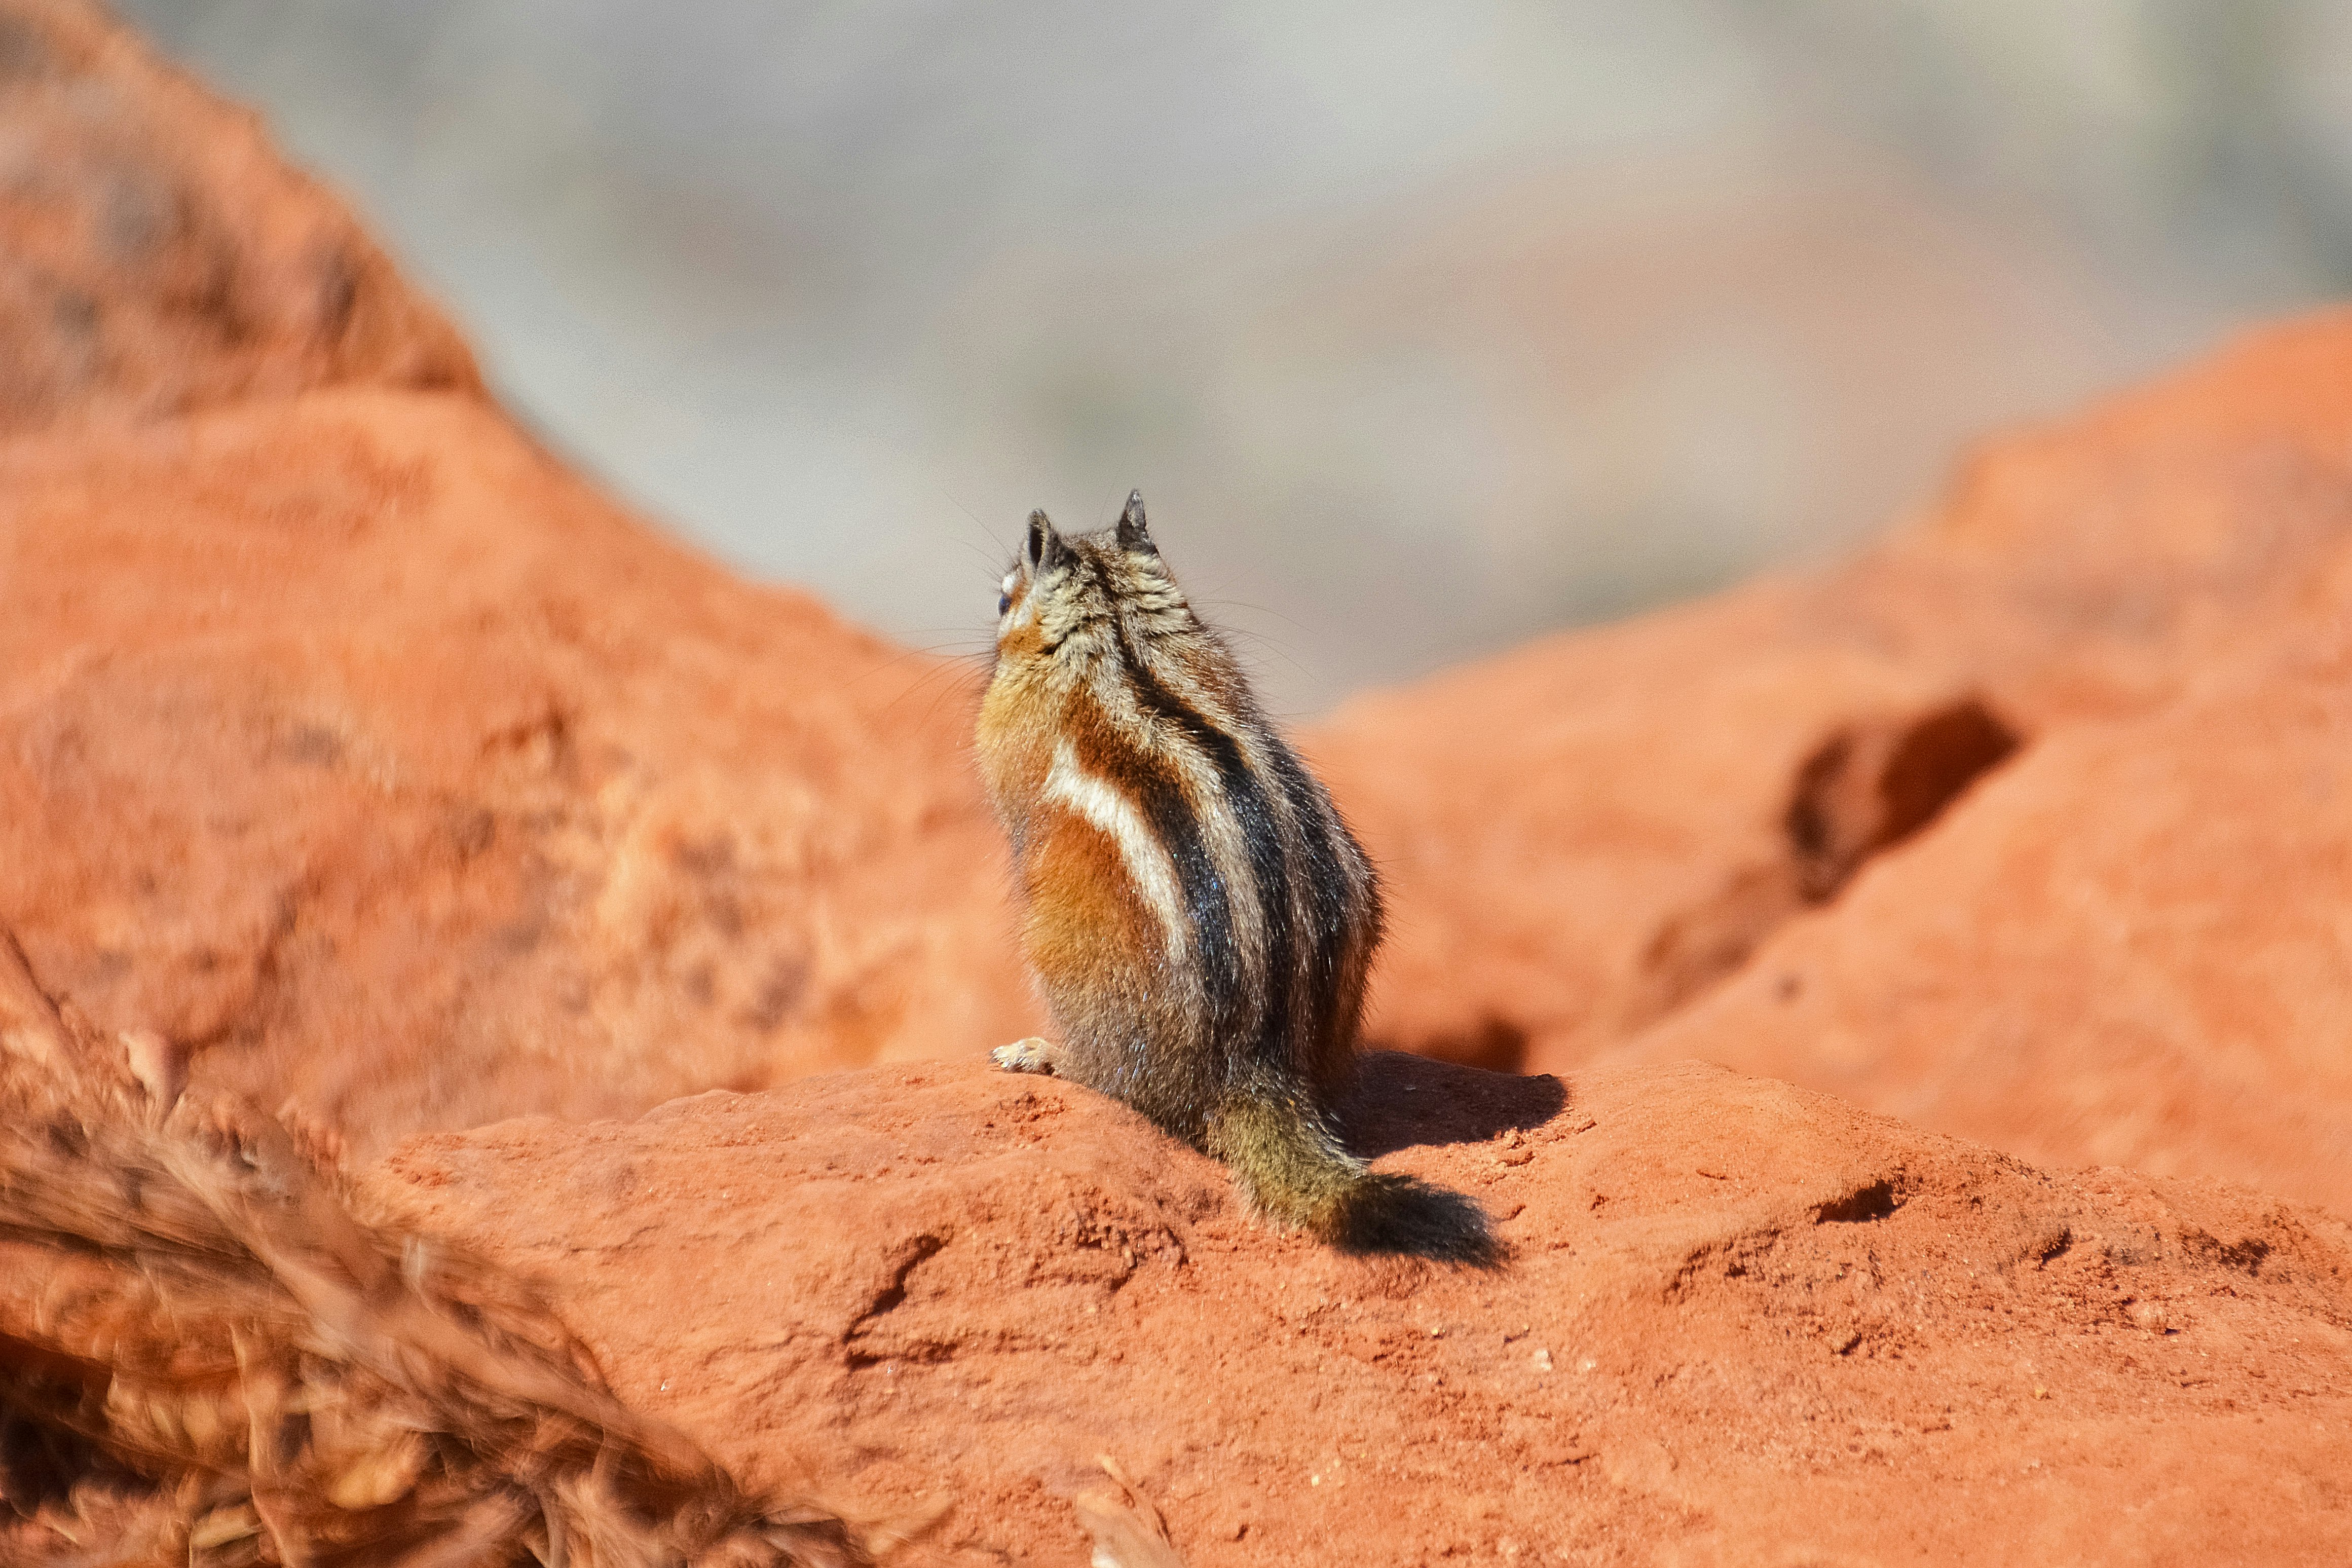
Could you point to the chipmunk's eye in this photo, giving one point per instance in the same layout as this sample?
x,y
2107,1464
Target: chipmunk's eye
x,y
1004,602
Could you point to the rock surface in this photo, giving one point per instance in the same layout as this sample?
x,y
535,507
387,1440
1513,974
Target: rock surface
x,y
350,742
156,256
351,745
2109,954
354,744
1745,1323
1585,835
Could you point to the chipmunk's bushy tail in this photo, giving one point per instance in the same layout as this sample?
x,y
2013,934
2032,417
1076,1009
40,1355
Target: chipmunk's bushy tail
x,y
1293,1170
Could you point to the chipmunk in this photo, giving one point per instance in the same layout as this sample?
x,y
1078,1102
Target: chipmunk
x,y
1200,920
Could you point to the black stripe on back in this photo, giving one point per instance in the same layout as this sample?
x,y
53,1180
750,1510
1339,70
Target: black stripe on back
x,y
1332,912
1270,1032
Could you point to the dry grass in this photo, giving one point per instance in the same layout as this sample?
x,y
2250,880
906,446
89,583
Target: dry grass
x,y
206,1359
1126,1526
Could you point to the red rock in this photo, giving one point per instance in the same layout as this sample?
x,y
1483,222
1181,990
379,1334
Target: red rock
x,y
347,738
156,256
344,736
1584,835
353,741
2129,948
1745,1323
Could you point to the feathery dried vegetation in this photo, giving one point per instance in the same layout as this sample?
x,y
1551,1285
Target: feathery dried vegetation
x,y
207,1358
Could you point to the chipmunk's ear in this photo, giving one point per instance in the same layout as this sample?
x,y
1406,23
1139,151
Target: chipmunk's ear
x,y
1044,547
1131,534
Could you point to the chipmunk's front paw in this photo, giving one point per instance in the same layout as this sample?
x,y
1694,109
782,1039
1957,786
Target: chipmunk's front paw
x,y
1032,1055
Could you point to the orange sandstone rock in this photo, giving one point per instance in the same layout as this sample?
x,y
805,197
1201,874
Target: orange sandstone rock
x,y
353,742
1745,1323
1585,835
349,741
156,256
346,739
2127,948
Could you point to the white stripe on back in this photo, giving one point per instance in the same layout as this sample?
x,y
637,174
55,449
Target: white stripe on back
x,y
1147,862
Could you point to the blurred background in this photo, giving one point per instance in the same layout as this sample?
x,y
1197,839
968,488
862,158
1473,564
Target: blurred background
x,y
1422,327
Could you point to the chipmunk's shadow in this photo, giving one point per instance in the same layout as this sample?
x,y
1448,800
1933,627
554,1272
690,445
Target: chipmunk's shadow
x,y
1398,1101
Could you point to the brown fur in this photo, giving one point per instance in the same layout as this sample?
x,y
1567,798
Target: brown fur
x,y
1200,920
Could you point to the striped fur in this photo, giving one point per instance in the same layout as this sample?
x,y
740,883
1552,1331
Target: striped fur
x,y
1200,920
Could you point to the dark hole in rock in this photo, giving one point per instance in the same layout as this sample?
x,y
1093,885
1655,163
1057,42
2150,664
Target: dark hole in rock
x,y
1868,786
1875,1201
1871,786
2245,1255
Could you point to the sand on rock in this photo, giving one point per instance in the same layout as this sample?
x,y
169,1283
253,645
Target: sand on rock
x,y
346,739
1744,1323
